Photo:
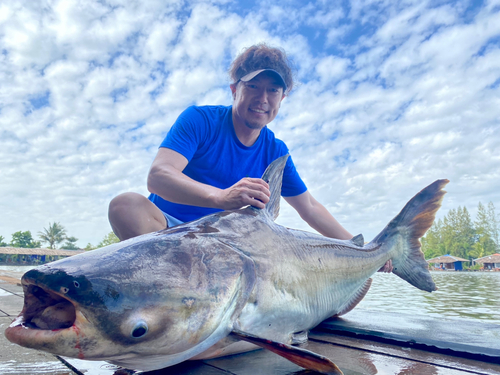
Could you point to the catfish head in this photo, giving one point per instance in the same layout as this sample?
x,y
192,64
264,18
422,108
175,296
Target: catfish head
x,y
146,303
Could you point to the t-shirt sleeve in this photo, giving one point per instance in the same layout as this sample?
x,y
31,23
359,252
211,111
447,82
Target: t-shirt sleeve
x,y
187,134
292,183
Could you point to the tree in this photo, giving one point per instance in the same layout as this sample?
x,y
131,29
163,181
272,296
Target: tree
x,y
494,225
458,232
24,240
109,239
89,247
70,244
466,234
432,243
3,244
484,229
54,235
457,235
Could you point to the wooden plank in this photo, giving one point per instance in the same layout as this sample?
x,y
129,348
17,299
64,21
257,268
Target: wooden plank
x,y
11,304
12,288
353,356
463,337
440,360
81,367
256,362
360,362
17,360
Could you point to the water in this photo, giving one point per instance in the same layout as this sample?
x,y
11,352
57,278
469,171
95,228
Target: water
x,y
21,269
466,295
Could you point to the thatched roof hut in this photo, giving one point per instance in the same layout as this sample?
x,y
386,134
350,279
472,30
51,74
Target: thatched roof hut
x,y
39,251
447,259
493,258
449,262
490,261
24,256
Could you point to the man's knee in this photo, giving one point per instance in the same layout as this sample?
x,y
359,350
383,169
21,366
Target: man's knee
x,y
124,204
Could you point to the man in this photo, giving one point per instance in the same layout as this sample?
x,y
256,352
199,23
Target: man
x,y
213,157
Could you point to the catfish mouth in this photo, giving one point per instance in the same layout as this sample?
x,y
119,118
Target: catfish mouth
x,y
45,310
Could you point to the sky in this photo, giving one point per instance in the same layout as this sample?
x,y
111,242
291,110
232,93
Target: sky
x,y
390,96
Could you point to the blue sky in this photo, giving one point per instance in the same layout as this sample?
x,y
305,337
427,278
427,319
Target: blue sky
x,y
390,97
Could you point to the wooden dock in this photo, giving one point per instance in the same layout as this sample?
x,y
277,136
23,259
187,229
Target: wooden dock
x,y
364,342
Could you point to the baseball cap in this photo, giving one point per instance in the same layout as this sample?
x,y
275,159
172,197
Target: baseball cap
x,y
255,73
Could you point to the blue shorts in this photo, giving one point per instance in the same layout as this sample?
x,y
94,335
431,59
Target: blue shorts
x,y
171,221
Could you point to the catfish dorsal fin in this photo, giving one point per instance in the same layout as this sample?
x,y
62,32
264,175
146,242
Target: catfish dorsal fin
x,y
301,357
274,176
358,240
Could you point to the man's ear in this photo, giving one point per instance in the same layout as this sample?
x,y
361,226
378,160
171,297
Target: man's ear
x,y
233,89
283,97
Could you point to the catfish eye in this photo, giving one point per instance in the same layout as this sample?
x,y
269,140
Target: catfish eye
x,y
140,330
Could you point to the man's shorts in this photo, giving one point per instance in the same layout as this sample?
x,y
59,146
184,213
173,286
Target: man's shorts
x,y
172,221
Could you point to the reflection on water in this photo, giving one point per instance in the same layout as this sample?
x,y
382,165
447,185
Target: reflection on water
x,y
469,295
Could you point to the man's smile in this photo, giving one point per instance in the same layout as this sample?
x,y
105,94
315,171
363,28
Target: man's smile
x,y
257,110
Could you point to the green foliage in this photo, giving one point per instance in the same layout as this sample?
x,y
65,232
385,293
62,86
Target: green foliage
x,y
432,243
494,225
458,235
89,247
54,235
475,267
109,239
24,239
3,244
70,244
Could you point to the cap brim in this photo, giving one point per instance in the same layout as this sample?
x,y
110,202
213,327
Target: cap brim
x,y
254,74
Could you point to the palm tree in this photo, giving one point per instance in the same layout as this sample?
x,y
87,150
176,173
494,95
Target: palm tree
x,y
54,235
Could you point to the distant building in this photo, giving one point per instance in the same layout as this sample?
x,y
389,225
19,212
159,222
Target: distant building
x,y
17,256
489,262
448,262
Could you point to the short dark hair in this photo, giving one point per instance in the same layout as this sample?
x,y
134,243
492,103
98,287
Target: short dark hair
x,y
261,56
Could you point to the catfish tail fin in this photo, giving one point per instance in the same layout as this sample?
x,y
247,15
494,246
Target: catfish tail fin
x,y
274,176
405,230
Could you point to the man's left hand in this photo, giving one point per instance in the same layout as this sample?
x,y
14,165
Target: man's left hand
x,y
387,268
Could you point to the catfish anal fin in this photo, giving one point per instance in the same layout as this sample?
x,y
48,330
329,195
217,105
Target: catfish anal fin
x,y
355,299
301,357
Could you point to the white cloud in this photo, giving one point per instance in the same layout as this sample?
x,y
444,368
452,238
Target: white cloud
x,y
390,97
331,67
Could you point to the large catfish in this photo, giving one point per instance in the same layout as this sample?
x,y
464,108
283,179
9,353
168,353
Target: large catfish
x,y
223,284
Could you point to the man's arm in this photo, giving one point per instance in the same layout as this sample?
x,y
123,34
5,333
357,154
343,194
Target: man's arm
x,y
319,218
166,180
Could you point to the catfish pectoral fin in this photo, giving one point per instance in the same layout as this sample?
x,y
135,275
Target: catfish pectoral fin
x,y
301,357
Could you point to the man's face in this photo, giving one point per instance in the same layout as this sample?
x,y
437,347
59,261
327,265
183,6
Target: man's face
x,y
256,102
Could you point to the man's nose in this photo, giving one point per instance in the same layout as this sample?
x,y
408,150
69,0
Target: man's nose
x,y
262,95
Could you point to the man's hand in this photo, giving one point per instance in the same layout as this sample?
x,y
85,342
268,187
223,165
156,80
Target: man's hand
x,y
247,191
387,268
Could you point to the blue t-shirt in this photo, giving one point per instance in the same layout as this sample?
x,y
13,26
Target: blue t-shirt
x,y
205,136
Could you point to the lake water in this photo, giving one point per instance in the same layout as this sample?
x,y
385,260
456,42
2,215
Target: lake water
x,y
467,295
